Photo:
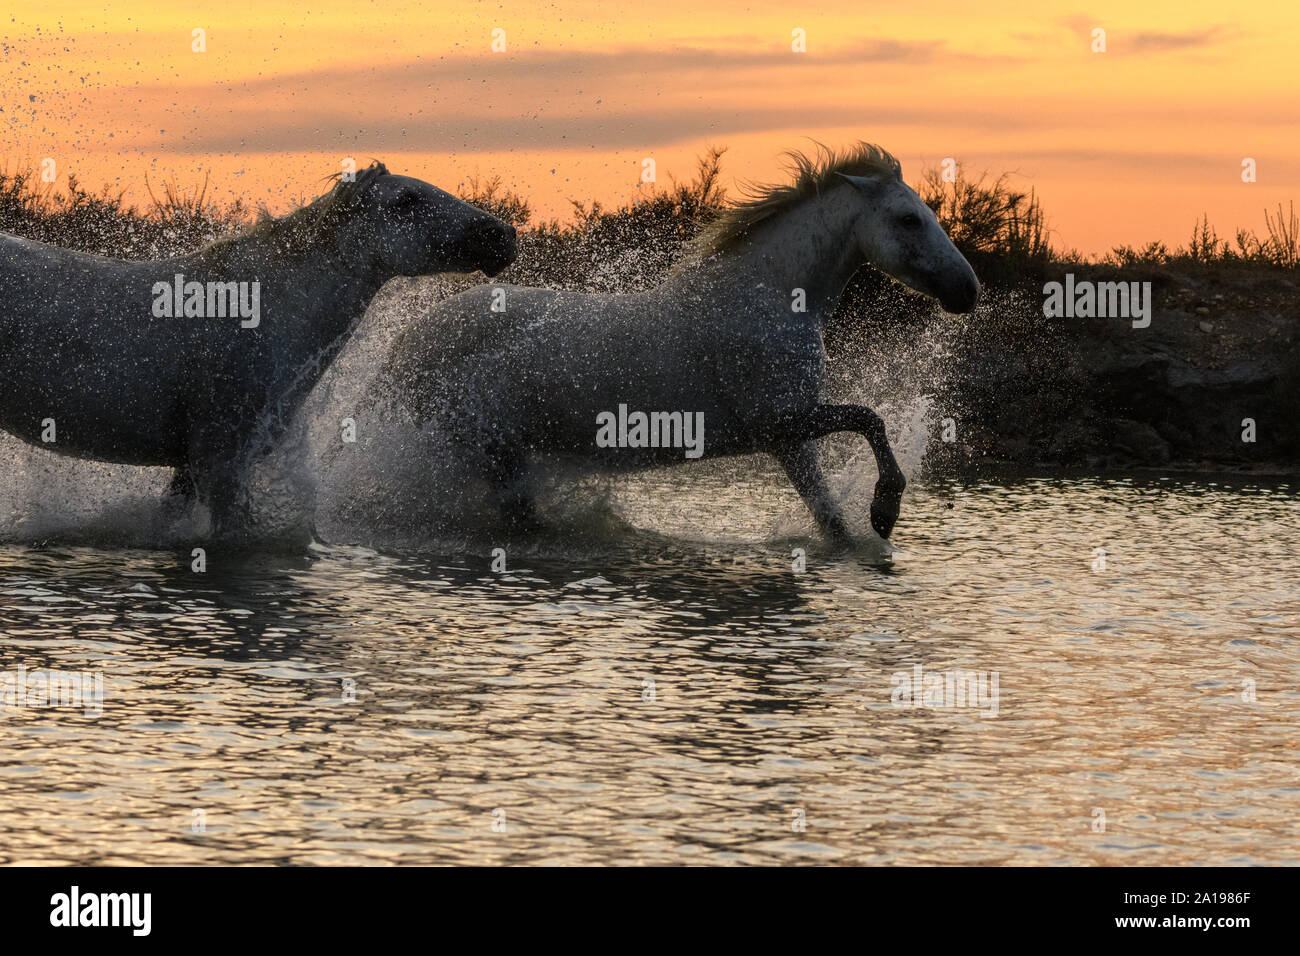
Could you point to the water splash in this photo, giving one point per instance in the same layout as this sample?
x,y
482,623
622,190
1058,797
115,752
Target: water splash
x,y
852,481
396,487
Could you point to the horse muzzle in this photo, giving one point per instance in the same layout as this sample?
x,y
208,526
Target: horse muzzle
x,y
961,296
498,247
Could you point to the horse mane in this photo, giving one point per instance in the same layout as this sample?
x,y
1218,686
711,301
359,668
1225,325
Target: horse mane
x,y
317,221
810,175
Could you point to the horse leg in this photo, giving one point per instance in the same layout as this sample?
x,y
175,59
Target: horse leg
x,y
228,503
888,493
221,489
181,494
805,471
507,474
182,485
827,419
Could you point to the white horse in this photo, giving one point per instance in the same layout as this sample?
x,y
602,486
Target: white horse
x,y
199,362
512,374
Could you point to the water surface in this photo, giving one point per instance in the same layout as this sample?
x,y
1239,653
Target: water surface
x,y
675,692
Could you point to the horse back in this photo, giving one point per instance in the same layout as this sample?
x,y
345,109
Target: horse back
x,y
78,345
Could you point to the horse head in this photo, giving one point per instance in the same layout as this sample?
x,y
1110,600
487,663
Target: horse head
x,y
899,234
416,229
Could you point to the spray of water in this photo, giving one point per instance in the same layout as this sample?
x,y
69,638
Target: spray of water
x,y
395,486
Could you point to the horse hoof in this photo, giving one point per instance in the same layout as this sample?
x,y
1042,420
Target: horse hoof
x,y
884,514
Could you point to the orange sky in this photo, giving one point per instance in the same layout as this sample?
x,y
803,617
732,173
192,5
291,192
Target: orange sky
x,y
1123,146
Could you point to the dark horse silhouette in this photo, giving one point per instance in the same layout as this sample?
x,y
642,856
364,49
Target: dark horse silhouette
x,y
199,362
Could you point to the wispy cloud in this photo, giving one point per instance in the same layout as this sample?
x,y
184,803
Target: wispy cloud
x,y
1145,41
565,67
462,132
552,99
1157,42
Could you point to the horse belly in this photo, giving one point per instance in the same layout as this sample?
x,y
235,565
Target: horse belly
x,y
68,428
124,413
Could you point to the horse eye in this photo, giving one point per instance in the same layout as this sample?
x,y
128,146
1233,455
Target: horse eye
x,y
911,220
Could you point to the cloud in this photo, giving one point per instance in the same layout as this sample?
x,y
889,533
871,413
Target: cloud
x,y
1109,160
464,132
1158,42
585,66
1144,41
556,99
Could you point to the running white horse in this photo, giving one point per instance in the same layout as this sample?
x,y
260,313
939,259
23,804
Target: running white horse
x,y
723,358
199,362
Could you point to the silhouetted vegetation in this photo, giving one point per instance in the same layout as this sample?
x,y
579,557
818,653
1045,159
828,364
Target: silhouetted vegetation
x,y
1000,228
103,223
1279,247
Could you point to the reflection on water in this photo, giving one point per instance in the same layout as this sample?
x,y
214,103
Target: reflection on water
x,y
657,700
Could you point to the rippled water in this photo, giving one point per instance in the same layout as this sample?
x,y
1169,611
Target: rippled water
x,y
679,694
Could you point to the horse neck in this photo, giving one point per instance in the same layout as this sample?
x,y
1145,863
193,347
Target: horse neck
x,y
809,246
326,291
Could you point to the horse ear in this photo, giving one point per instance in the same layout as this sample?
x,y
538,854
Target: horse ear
x,y
864,183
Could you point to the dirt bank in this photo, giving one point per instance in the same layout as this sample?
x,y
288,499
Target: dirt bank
x,y
1221,348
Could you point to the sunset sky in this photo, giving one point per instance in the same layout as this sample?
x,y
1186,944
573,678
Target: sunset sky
x,y
1124,146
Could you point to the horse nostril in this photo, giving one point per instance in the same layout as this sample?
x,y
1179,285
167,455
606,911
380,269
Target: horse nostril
x,y
962,296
